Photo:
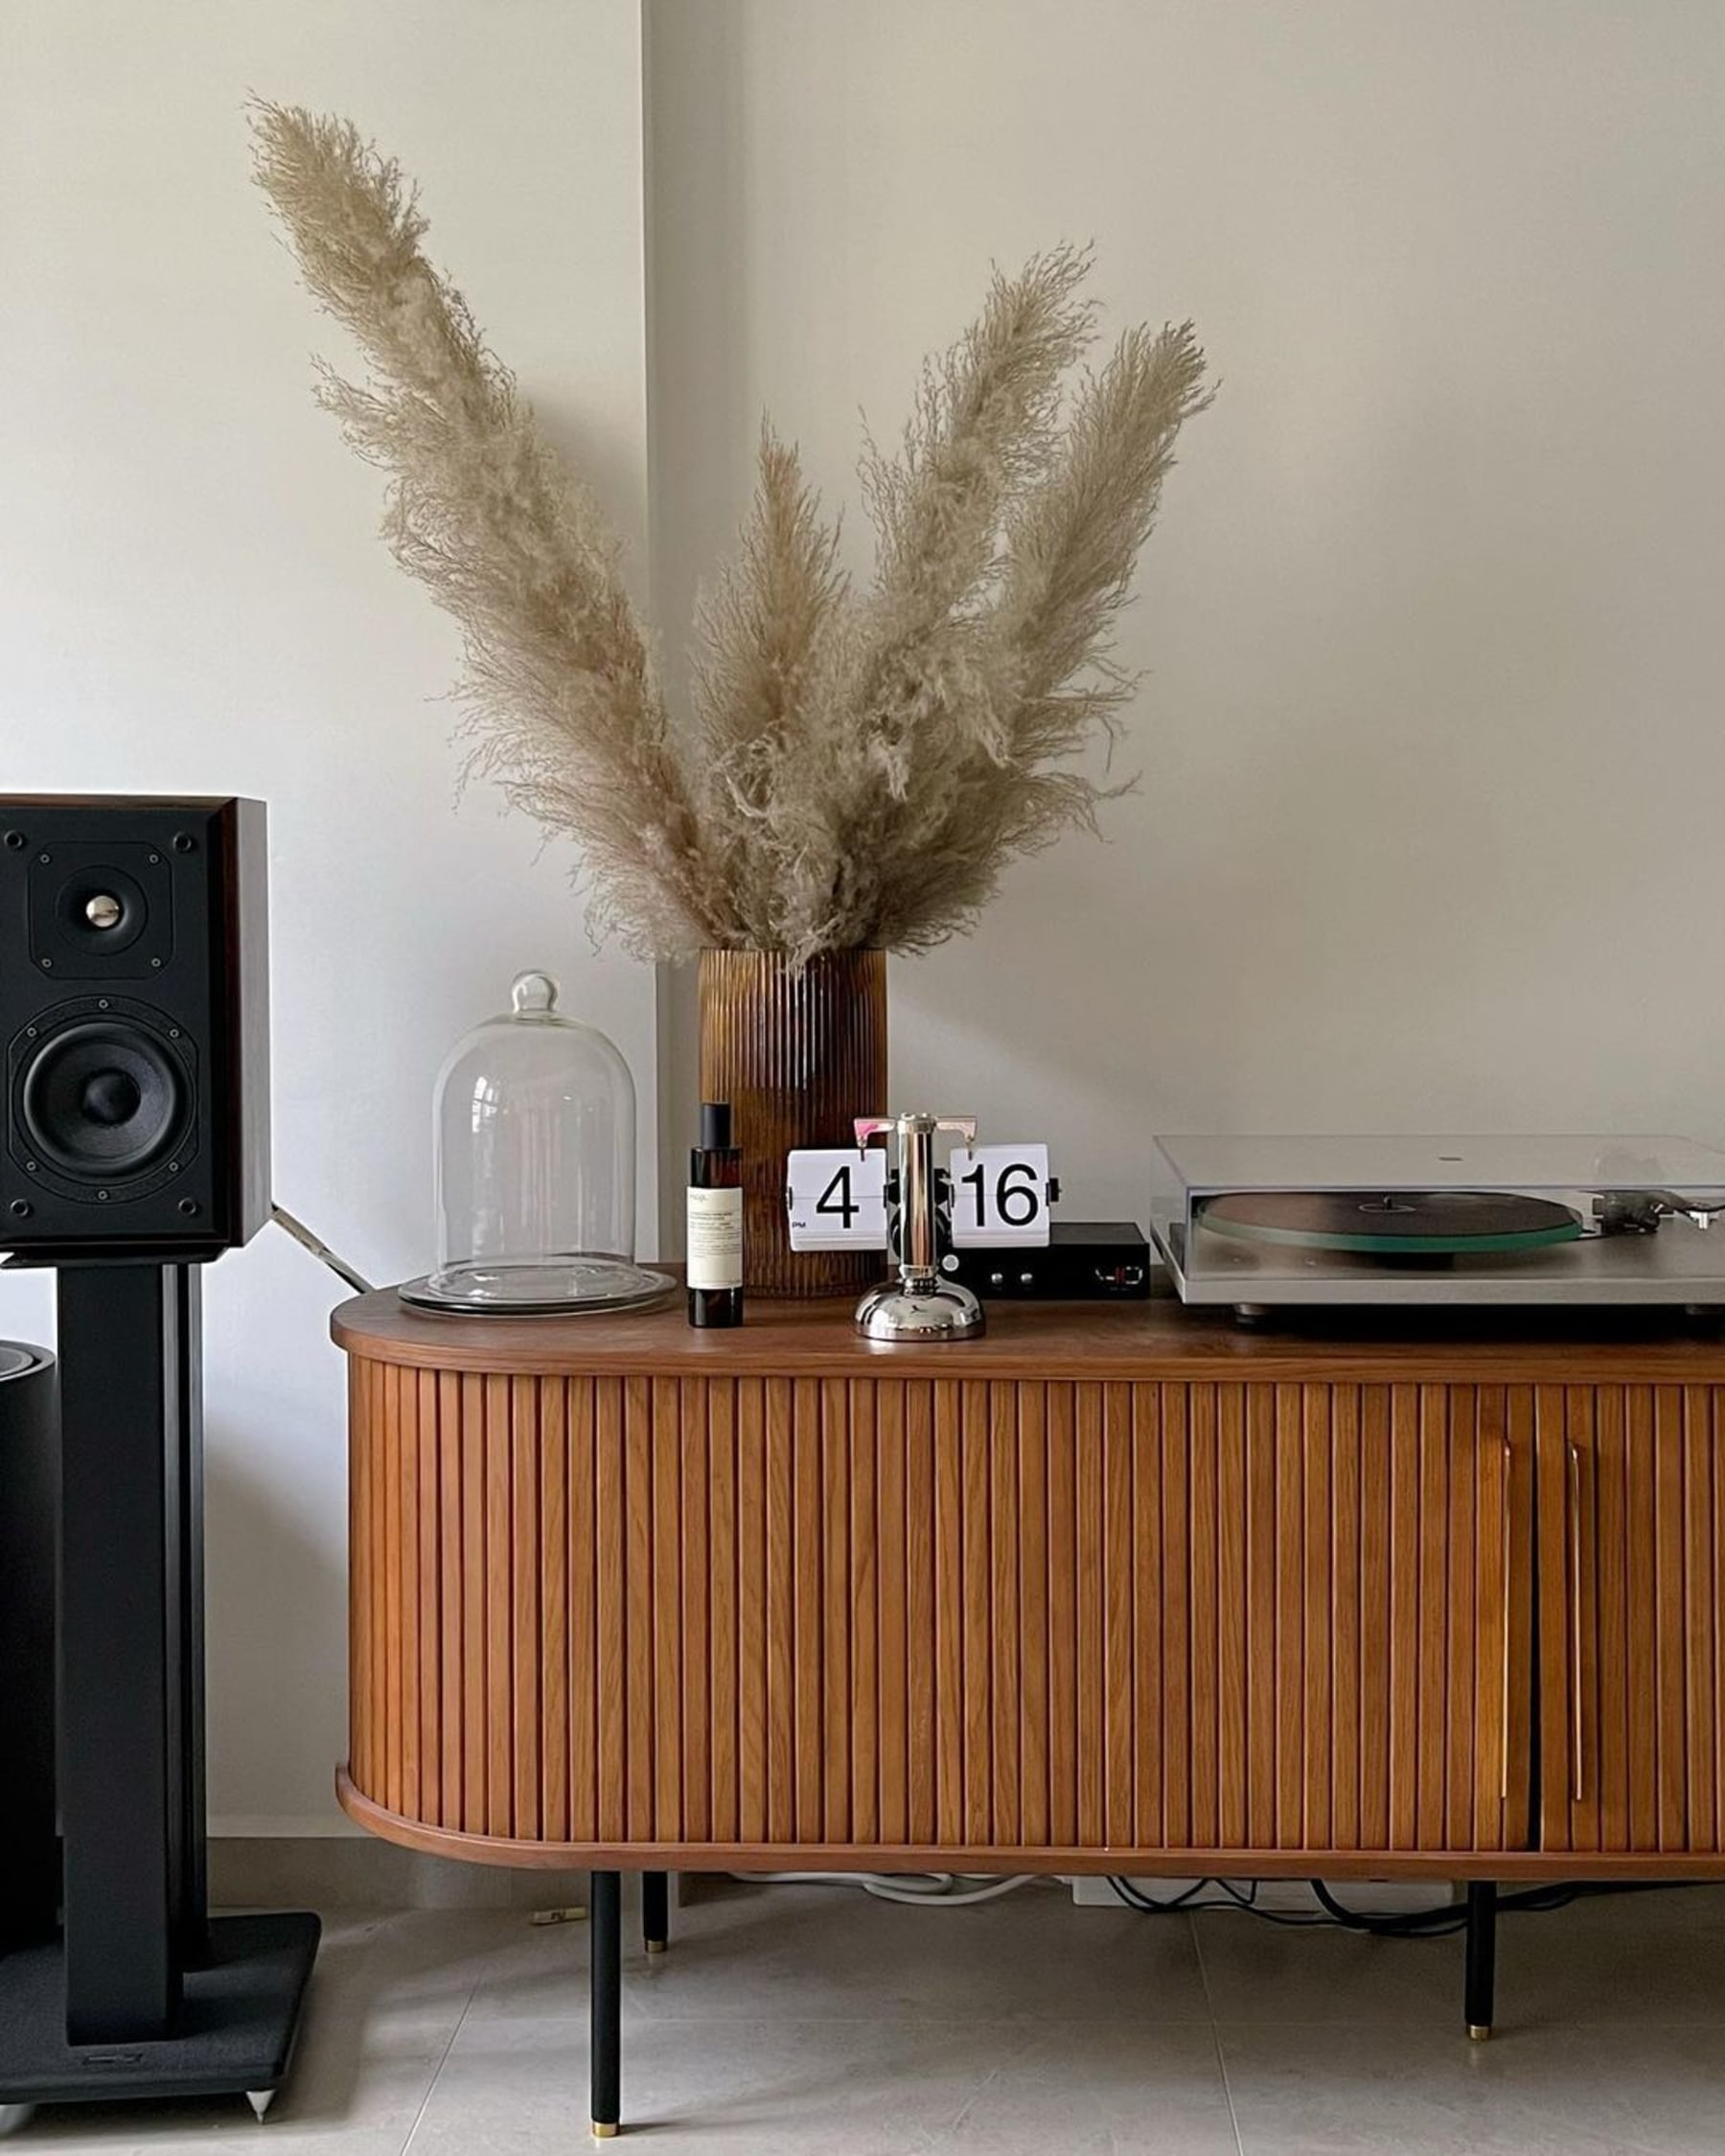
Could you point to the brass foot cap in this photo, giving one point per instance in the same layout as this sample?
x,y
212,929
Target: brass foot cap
x,y
657,1945
604,2133
1479,2031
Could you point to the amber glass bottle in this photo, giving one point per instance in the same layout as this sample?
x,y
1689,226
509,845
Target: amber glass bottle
x,y
715,1222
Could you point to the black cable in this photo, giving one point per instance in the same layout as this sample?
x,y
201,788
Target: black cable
x,y
1188,1903
1131,1896
1449,1917
1443,1920
1290,1920
1437,1922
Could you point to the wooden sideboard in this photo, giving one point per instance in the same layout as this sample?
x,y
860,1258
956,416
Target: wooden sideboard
x,y
1113,1589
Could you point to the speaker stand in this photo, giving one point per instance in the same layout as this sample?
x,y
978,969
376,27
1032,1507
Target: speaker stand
x,y
142,1994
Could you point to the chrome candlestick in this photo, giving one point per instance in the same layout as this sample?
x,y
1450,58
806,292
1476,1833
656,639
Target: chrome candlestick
x,y
921,1304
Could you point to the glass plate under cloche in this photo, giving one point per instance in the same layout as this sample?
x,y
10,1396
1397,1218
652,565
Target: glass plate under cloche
x,y
535,1170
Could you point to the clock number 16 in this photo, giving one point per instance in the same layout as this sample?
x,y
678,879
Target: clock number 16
x,y
1017,1194
1001,1194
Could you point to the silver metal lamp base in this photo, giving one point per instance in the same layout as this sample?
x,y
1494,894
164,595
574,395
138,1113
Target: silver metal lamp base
x,y
939,1310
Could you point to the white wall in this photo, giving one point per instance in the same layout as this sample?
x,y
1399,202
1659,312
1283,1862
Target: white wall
x,y
1431,743
192,599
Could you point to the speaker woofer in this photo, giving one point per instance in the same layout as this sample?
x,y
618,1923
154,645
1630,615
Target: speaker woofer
x,y
103,1099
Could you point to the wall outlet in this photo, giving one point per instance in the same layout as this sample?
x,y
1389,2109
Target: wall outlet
x,y
1371,1897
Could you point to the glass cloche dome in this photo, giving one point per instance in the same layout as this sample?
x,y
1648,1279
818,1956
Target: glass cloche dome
x,y
536,1168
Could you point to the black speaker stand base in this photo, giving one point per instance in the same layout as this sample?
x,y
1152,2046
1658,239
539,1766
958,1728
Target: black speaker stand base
x,y
235,2033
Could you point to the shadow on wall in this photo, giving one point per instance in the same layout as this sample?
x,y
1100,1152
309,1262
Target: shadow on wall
x,y
1341,898
276,1622
702,425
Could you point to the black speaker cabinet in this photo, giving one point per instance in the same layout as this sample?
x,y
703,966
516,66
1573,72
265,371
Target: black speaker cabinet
x,y
29,1446
134,1023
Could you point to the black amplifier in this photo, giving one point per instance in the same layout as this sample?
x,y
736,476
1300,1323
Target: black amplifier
x,y
1084,1261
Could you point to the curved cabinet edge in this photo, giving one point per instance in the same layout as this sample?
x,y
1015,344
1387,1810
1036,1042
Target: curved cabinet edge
x,y
1157,1340
1437,1865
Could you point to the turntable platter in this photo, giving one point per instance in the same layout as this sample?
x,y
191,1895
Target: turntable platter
x,y
1393,1223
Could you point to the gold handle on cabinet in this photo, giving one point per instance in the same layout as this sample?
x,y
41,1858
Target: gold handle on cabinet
x,y
1577,1787
1509,1619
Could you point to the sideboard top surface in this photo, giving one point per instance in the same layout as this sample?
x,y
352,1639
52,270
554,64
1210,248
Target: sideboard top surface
x,y
1157,1340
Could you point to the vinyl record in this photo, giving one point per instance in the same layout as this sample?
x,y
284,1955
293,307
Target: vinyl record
x,y
1394,1222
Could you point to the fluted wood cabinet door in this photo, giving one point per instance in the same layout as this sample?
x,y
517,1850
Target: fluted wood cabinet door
x,y
927,1615
1339,1616
1631,1618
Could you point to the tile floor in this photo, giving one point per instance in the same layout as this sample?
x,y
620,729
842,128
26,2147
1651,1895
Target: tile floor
x,y
817,2021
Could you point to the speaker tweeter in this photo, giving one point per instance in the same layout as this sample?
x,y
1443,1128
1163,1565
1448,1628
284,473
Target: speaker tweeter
x,y
101,911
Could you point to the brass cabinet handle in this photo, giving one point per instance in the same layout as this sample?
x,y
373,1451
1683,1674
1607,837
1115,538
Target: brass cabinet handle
x,y
1577,1787
1508,1621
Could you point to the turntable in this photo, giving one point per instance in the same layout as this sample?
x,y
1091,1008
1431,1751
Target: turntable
x,y
1261,1222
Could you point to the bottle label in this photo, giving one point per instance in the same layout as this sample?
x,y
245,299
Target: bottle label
x,y
715,1238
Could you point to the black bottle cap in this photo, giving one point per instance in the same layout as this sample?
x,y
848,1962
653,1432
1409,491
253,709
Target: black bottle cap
x,y
715,1126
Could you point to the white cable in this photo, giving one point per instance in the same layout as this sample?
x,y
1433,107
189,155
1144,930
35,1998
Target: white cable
x,y
320,1249
913,1888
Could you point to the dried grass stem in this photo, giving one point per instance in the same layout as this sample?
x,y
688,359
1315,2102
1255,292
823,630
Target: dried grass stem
x,y
858,767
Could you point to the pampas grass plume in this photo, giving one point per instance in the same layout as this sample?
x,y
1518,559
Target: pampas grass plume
x,y
859,767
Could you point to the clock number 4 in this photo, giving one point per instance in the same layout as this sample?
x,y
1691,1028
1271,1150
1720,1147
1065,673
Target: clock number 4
x,y
836,1198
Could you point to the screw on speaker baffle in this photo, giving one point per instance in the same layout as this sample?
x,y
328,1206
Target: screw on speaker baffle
x,y
16,840
188,1206
184,842
21,1207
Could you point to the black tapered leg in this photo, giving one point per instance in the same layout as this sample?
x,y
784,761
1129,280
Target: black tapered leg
x,y
1482,1957
606,2059
656,1911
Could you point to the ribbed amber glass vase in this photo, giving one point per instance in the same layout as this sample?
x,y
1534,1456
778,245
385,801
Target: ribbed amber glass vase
x,y
799,1054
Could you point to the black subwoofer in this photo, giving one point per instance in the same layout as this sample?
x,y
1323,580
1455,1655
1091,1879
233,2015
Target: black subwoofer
x,y
28,1454
134,1018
